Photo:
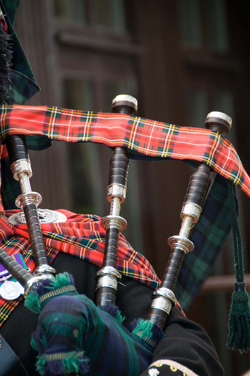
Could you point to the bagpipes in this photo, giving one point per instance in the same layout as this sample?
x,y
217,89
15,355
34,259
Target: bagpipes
x,y
54,296
46,293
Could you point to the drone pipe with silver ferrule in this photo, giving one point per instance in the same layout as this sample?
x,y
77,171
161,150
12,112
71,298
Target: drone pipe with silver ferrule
x,y
180,245
28,200
23,276
108,276
15,269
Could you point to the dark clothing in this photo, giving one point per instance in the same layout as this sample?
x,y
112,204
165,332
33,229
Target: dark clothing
x,y
185,342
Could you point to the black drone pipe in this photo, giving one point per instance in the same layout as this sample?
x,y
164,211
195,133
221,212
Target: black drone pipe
x,y
21,168
28,200
180,245
108,276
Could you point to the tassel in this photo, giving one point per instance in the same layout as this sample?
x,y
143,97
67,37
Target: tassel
x,y
146,331
76,363
239,316
33,343
38,340
32,302
239,320
113,310
62,279
5,59
44,290
62,363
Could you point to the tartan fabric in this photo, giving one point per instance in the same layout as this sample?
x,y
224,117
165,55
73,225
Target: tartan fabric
x,y
10,8
10,188
22,87
209,235
23,84
151,140
97,341
142,137
81,236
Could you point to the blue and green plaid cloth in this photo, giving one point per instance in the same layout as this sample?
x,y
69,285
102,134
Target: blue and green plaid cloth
x,y
23,83
88,339
23,86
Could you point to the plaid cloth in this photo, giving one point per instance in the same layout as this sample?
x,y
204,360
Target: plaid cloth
x,y
23,84
90,339
22,87
142,137
81,236
154,141
209,235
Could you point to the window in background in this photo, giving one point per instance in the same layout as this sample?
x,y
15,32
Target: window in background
x,y
197,103
79,93
85,181
201,102
92,86
204,24
74,10
215,22
112,87
107,13
88,187
190,23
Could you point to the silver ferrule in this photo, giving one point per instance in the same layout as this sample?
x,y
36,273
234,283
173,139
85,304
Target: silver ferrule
x,y
186,227
116,190
33,280
115,207
24,181
191,210
108,277
111,221
166,293
44,269
107,281
109,270
28,198
164,300
182,243
21,166
163,304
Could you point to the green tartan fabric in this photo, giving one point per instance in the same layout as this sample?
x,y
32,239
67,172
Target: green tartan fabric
x,y
10,8
10,188
22,87
209,235
23,84
102,344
